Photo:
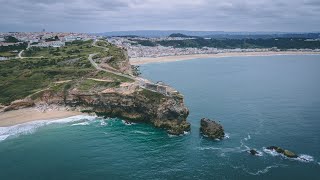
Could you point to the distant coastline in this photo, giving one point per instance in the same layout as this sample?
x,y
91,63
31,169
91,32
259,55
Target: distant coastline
x,y
147,60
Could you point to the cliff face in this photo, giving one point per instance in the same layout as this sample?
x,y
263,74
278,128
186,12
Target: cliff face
x,y
107,92
139,106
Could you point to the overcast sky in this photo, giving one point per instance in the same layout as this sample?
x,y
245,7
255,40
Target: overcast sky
x,y
122,15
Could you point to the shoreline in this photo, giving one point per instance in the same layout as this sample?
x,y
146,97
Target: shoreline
x,y
25,115
147,60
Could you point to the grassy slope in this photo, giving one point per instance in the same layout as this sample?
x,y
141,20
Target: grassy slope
x,y
75,49
22,77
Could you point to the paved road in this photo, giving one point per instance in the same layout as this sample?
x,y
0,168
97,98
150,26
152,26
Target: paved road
x,y
101,69
19,55
140,81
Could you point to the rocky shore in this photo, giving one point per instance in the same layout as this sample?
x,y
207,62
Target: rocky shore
x,y
285,152
113,92
168,112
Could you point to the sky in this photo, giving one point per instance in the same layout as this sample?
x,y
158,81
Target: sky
x,y
129,15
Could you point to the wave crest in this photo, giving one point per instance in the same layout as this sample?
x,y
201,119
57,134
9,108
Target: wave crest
x,y
31,127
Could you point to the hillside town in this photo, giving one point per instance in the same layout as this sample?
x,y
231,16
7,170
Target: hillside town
x,y
44,39
137,47
136,50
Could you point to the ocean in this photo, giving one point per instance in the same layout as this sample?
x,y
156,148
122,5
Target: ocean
x,y
260,101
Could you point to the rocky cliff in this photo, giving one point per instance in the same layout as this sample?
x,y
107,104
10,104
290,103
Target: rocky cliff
x,y
107,92
167,112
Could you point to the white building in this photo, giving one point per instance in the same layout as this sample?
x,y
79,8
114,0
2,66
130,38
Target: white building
x,y
50,44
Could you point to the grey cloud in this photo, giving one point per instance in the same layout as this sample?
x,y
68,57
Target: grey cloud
x,y
113,15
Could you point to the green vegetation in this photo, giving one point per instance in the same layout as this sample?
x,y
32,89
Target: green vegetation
x,y
281,43
103,74
152,96
89,84
11,39
74,49
20,78
8,54
144,42
7,51
179,35
117,55
102,43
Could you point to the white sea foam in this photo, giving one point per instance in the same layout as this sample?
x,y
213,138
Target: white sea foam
x,y
171,135
243,145
305,158
248,137
222,150
81,124
226,136
209,148
271,152
302,158
103,123
141,132
186,132
128,123
263,171
30,127
259,153
3,137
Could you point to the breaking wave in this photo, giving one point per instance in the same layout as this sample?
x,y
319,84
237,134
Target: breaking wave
x,y
103,123
31,127
302,157
81,124
226,136
128,123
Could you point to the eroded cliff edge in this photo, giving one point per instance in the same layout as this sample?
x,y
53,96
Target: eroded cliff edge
x,y
109,89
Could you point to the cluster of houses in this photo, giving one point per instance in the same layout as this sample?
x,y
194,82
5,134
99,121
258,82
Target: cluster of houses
x,y
45,39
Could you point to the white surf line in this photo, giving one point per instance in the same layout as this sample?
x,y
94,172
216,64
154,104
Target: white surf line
x,y
31,127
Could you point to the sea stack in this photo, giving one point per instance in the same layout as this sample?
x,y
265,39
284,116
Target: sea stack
x,y
211,129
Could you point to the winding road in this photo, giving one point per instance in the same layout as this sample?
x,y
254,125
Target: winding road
x,y
105,70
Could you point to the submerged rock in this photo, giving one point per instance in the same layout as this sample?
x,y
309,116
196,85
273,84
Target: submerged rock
x,y
211,129
287,153
253,152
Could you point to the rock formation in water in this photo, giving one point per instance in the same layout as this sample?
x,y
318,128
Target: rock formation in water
x,y
279,150
211,129
253,152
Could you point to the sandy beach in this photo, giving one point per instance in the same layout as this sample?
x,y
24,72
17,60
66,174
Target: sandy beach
x,y
146,60
31,114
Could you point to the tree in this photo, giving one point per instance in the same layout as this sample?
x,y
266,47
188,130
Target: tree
x,y
11,39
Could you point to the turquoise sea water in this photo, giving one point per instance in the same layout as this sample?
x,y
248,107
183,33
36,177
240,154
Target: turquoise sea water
x,y
260,101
